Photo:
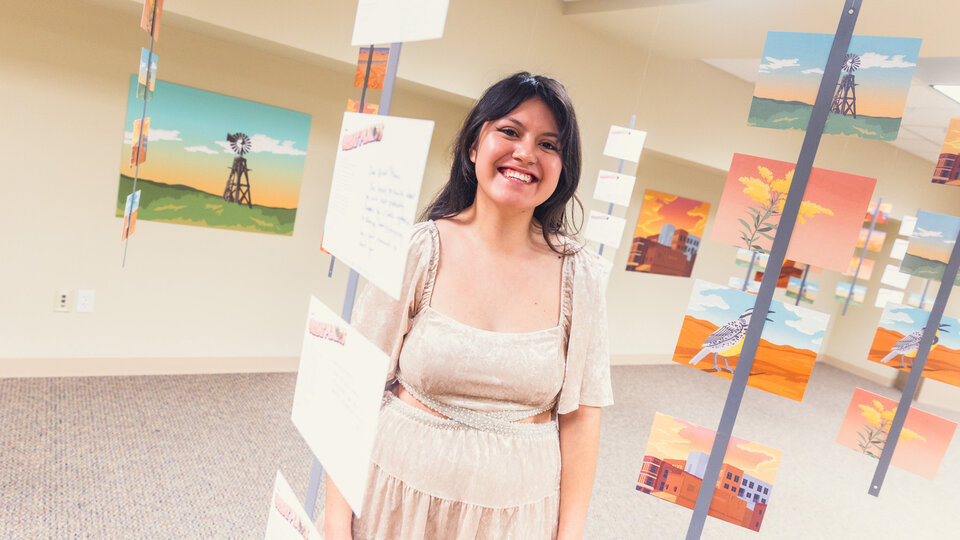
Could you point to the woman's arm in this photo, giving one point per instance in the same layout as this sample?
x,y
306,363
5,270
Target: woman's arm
x,y
337,515
579,446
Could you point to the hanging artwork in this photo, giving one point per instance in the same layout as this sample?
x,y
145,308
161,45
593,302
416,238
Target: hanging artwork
x,y
868,98
931,245
877,238
668,234
865,265
714,328
217,161
286,519
828,224
130,215
918,300
737,284
675,462
885,209
138,141
368,108
150,17
809,290
923,440
147,82
898,339
843,291
948,166
378,67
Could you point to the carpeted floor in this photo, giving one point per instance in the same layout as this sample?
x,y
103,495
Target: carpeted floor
x,y
195,457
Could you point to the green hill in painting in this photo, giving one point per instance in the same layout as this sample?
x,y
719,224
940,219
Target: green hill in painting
x,y
924,268
772,113
175,203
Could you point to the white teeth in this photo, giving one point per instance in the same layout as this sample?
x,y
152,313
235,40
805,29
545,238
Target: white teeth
x,y
516,175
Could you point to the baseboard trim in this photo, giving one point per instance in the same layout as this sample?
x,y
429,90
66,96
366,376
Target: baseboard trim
x,y
101,367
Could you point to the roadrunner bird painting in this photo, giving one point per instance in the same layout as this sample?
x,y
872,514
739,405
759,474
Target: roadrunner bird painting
x,y
910,345
726,341
715,324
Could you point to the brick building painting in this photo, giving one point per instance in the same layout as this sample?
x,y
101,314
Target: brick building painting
x,y
948,166
667,237
675,461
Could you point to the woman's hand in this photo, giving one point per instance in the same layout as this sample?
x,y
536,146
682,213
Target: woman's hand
x,y
337,515
579,446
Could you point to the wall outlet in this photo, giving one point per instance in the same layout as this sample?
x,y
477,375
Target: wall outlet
x,y
61,301
85,299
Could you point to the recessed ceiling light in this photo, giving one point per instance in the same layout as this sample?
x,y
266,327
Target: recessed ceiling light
x,y
952,91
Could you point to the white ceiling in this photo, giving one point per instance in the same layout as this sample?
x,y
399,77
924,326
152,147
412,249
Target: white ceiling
x,y
729,35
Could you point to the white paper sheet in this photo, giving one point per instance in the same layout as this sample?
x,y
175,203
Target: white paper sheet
x,y
899,249
624,143
286,519
893,277
907,225
614,188
337,398
392,21
374,193
888,295
603,228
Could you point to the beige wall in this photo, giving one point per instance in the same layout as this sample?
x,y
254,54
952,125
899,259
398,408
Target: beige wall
x,y
195,298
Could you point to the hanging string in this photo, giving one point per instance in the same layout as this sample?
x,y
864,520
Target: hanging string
x,y
646,61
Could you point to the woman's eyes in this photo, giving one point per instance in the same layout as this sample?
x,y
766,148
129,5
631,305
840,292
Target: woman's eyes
x,y
510,132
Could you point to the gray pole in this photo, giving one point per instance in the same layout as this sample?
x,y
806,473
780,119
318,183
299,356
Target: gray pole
x,y
778,251
313,485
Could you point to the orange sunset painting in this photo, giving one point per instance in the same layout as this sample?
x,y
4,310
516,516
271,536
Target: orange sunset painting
x,y
828,224
897,343
668,234
676,459
923,440
378,67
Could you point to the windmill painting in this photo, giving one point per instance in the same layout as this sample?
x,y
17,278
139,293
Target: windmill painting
x,y
923,441
868,99
715,326
898,338
248,180
829,222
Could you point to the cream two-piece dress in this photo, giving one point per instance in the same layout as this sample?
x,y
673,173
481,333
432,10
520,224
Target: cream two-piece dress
x,y
476,473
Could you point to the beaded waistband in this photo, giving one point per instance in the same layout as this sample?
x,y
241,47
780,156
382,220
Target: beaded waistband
x,y
503,422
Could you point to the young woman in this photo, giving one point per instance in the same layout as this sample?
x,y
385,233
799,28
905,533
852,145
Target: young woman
x,y
490,424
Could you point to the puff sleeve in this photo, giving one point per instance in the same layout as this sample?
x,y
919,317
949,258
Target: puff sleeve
x,y
587,377
384,320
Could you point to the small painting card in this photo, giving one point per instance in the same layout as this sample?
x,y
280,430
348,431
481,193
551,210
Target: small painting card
x,y
130,214
931,245
885,296
893,277
668,234
899,249
828,224
714,328
916,299
898,338
868,98
907,225
150,17
877,238
286,519
745,255
923,440
368,108
948,166
373,196
393,21
378,67
138,148
147,78
604,228
336,401
866,268
675,462
614,187
737,283
624,143
809,289
843,290
885,209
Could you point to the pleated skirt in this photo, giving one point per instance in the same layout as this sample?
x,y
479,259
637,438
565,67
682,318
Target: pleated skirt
x,y
434,478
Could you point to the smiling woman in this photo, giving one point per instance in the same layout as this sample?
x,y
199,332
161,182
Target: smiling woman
x,y
490,422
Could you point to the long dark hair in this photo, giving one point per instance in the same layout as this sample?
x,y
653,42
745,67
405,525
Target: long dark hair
x,y
501,98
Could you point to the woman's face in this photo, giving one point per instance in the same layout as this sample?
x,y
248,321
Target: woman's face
x,y
517,157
